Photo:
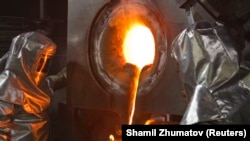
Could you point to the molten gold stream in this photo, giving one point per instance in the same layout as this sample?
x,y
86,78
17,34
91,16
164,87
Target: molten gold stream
x,y
139,50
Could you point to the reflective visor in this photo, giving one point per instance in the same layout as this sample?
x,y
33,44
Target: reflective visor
x,y
43,64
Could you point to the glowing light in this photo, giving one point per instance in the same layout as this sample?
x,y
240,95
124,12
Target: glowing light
x,y
139,46
111,137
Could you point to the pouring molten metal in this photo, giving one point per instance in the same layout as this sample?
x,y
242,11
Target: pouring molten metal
x,y
138,50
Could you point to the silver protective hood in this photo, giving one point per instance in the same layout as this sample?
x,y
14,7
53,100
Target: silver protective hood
x,y
23,80
216,81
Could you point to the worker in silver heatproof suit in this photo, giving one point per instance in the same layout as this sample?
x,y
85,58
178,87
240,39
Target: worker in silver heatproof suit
x,y
215,78
24,92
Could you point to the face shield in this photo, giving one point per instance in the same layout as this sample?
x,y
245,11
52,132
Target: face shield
x,y
42,63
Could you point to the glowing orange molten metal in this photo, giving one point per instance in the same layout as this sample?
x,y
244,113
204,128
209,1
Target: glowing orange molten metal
x,y
139,50
111,137
139,46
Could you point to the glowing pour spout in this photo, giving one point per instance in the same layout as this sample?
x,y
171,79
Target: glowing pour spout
x,y
139,50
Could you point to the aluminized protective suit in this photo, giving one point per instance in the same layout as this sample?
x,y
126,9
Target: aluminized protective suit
x,y
215,79
24,90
